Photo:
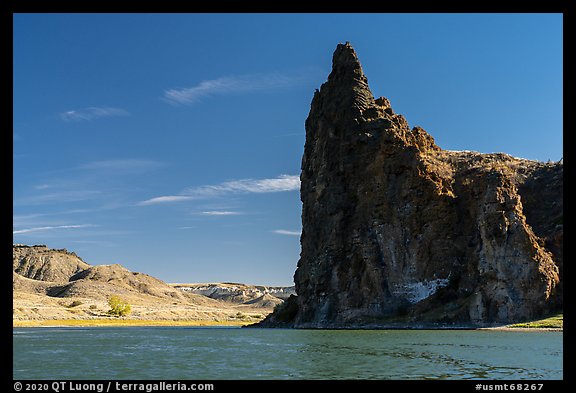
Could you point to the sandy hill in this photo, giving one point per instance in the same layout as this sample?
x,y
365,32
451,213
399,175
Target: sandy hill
x,y
57,284
44,264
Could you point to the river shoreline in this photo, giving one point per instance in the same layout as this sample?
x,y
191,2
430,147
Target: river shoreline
x,y
203,323
121,323
523,329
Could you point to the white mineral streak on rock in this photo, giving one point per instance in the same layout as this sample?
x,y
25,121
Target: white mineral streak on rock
x,y
417,291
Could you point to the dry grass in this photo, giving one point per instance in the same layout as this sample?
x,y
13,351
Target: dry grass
x,y
554,322
124,322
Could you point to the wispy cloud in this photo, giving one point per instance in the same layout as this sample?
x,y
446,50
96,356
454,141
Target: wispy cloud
x,y
165,199
287,232
43,219
50,228
109,183
277,184
243,186
62,195
220,213
92,113
234,84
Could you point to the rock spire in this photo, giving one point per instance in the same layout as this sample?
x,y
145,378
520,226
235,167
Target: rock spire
x,y
398,232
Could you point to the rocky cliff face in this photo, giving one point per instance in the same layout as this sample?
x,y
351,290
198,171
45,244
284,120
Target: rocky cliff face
x,y
398,231
44,264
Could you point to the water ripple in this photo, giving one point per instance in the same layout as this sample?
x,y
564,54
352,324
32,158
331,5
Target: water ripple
x,y
211,353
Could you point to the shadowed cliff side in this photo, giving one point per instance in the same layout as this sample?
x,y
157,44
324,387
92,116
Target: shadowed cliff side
x,y
398,232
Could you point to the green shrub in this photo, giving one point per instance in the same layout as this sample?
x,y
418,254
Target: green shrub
x,y
74,304
118,307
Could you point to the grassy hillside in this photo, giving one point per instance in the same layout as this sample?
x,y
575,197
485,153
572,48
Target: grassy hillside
x,y
556,322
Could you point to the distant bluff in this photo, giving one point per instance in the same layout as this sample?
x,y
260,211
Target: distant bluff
x,y
398,232
44,264
59,273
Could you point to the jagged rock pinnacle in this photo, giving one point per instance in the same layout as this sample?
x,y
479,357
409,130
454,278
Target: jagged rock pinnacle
x,y
347,87
396,230
345,63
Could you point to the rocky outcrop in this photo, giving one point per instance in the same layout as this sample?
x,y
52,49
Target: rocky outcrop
x,y
265,301
398,232
42,263
60,273
115,279
239,293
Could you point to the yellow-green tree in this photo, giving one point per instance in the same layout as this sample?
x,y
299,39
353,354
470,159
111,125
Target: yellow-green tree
x,y
118,307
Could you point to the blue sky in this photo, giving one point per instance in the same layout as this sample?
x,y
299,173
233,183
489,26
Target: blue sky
x,y
172,143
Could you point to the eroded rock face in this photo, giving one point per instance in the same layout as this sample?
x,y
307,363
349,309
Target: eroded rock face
x,y
399,231
45,264
62,274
